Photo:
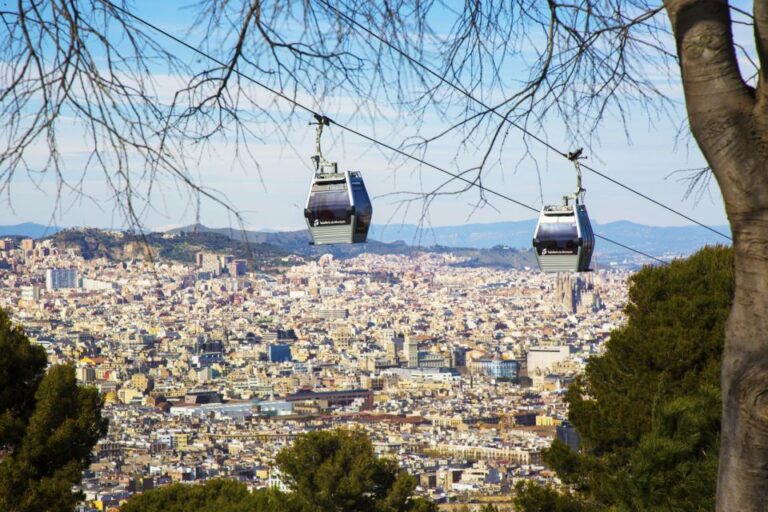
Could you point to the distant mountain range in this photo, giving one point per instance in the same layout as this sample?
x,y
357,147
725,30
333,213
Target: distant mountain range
x,y
653,239
29,230
510,240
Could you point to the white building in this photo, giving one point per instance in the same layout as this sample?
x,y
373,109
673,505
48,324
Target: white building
x,y
30,293
98,285
541,360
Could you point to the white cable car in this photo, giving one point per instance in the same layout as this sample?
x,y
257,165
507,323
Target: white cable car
x,y
338,209
564,240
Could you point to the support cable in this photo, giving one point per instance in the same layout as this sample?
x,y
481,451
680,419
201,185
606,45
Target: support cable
x,y
354,131
495,111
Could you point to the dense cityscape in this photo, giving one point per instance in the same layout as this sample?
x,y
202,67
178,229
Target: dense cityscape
x,y
208,370
496,257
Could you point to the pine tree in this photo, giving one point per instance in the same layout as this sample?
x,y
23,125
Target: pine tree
x,y
326,471
338,470
219,495
648,409
48,426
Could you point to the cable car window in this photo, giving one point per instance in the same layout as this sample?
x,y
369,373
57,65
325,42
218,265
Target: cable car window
x,y
329,206
557,238
559,231
363,208
363,223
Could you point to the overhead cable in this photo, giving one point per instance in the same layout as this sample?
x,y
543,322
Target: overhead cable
x,y
505,118
352,130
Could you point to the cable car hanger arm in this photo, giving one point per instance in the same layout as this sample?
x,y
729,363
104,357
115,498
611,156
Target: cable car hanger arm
x,y
318,159
575,156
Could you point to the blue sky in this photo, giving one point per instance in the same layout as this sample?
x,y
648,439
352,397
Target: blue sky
x,y
273,198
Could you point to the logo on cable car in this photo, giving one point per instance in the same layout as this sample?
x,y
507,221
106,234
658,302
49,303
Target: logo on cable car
x,y
319,222
546,251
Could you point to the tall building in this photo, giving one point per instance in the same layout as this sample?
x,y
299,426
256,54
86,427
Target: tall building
x,y
394,346
459,356
412,352
210,262
342,337
57,278
216,263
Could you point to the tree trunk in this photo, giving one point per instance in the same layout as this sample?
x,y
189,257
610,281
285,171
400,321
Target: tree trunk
x,y
729,120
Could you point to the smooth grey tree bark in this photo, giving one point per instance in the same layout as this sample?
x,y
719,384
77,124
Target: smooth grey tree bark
x,y
729,121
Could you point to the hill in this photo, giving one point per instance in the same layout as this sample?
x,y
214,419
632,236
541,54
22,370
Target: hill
x,y
116,245
502,244
297,242
182,245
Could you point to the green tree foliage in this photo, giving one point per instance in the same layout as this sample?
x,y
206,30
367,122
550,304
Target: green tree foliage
x,y
325,471
338,471
48,425
22,366
218,495
533,497
648,409
675,465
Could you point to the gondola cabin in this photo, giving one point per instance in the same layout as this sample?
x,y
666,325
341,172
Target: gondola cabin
x,y
564,239
338,210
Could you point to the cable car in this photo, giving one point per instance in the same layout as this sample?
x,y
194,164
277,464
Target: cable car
x,y
338,209
564,240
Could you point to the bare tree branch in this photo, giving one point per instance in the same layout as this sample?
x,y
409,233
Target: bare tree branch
x,y
576,62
